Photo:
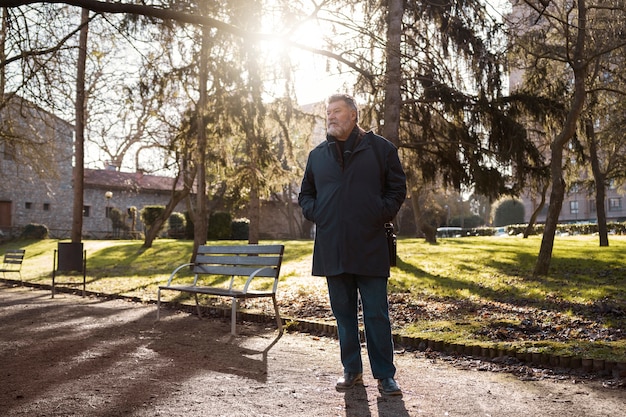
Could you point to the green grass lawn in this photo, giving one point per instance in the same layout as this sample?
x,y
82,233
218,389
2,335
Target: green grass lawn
x,y
476,290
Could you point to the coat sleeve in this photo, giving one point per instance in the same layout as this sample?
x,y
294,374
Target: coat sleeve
x,y
308,193
394,191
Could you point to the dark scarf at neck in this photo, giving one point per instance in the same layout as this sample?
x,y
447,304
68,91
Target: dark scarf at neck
x,y
344,148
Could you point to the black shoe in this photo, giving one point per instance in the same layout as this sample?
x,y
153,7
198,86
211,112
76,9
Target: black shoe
x,y
348,380
388,386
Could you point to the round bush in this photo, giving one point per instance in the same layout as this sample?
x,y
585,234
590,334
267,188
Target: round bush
x,y
35,231
508,211
176,224
149,214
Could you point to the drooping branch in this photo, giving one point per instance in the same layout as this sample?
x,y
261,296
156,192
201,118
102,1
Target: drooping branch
x,y
168,14
41,52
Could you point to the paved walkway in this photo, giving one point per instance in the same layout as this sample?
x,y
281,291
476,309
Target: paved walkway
x,y
73,356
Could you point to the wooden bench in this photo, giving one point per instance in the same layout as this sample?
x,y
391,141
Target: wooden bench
x,y
255,263
12,262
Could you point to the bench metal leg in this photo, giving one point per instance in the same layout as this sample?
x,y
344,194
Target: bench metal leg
x,y
53,276
279,321
85,274
158,302
195,295
233,317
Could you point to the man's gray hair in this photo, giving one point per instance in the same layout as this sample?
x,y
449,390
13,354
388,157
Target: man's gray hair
x,y
346,98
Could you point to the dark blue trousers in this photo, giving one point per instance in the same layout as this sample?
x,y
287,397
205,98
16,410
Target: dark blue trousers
x,y
344,291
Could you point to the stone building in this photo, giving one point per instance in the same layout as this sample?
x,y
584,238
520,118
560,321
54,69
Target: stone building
x,y
105,189
35,168
36,187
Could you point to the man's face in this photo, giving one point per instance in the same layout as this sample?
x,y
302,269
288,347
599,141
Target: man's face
x,y
340,119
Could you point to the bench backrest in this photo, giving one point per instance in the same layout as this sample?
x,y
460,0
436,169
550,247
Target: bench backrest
x,y
240,260
13,258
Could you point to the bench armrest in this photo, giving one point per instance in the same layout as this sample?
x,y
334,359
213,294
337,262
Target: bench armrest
x,y
169,281
254,274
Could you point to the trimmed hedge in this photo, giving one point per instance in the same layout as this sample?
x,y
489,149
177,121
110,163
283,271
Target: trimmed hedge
x,y
617,228
240,229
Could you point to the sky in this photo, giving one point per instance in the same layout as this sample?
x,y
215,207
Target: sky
x,y
313,83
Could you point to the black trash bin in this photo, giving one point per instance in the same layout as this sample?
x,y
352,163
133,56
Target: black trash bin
x,y
70,259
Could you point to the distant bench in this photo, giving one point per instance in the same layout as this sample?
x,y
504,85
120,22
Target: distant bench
x,y
12,262
253,262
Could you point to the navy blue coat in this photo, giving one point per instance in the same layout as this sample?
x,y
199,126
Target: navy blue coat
x,y
350,205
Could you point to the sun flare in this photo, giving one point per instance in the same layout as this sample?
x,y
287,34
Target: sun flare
x,y
312,80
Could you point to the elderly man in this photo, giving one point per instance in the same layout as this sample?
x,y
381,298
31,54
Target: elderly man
x,y
352,186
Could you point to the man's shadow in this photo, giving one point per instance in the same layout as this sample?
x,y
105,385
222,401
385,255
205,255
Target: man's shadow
x,y
357,404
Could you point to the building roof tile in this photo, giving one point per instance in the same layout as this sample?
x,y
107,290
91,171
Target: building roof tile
x,y
137,181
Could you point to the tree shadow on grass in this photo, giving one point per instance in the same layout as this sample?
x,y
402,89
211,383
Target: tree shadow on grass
x,y
608,289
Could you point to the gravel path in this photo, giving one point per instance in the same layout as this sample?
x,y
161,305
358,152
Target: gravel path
x,y
73,356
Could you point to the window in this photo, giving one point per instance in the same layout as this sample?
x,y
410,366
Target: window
x,y
86,211
573,207
107,212
28,205
615,204
46,206
592,206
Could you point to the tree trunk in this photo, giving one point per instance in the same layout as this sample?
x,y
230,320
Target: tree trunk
x,y
254,210
554,209
598,178
430,232
291,218
533,217
200,222
421,218
393,73
3,34
79,144
152,232
579,68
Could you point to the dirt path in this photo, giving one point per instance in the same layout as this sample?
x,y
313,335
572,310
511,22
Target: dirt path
x,y
70,356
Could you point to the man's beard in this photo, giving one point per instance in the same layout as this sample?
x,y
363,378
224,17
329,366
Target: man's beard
x,y
335,130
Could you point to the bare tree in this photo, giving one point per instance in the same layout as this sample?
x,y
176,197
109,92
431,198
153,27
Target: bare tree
x,y
79,153
566,39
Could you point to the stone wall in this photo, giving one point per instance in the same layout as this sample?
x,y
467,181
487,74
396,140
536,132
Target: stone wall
x,y
35,168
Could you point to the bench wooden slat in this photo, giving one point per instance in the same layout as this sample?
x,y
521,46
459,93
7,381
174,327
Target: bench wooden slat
x,y
12,262
242,249
233,270
225,292
13,258
238,260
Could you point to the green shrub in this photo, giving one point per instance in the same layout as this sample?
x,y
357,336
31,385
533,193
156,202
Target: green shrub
x,y
176,224
240,229
35,231
508,211
118,221
149,214
220,224
189,227
132,215
469,221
